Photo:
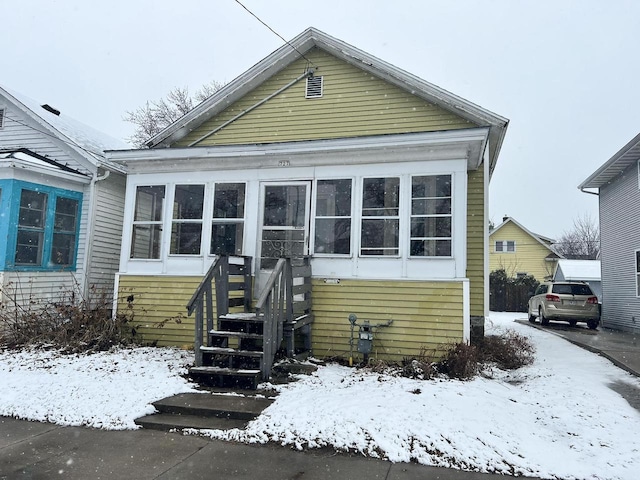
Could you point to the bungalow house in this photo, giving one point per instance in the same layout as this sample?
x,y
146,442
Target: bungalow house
x,y
618,188
587,271
61,205
520,252
321,151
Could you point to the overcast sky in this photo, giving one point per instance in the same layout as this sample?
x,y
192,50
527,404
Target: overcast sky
x,y
564,72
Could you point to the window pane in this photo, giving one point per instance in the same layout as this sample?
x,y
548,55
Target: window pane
x,y
511,246
228,200
333,198
431,248
430,206
380,237
431,227
498,246
226,238
638,261
149,204
380,197
63,249
145,242
66,215
185,238
33,206
333,235
29,247
285,206
188,202
431,186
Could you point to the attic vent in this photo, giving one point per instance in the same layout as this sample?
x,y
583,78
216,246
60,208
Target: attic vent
x,y
1,117
314,87
49,108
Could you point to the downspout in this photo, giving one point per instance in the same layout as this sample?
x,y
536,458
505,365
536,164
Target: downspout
x,y
308,73
88,242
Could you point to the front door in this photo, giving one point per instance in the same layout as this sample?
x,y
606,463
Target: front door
x,y
284,229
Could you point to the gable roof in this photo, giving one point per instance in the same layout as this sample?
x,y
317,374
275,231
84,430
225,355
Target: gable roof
x,y
579,269
544,241
301,44
627,155
78,138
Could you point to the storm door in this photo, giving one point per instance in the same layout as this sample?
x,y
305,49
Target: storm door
x,y
284,229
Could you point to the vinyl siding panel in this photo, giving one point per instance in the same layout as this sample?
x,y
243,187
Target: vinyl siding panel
x,y
476,269
354,103
107,232
619,239
33,290
20,132
425,315
529,256
159,307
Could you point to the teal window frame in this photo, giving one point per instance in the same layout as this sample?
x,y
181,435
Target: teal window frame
x,y
10,210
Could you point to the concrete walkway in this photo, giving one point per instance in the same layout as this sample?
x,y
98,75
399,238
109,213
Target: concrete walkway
x,y
33,450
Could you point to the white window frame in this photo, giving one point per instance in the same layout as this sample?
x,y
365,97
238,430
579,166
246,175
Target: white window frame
x,y
449,215
504,246
399,217
149,223
228,220
186,221
314,217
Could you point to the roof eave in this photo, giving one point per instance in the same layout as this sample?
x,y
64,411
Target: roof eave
x,y
614,166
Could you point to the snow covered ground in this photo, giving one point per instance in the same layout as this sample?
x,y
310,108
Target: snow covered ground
x,y
557,418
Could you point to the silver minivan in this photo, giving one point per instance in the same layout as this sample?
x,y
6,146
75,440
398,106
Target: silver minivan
x,y
572,302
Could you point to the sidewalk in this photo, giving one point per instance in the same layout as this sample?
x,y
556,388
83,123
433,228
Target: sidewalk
x,y
33,450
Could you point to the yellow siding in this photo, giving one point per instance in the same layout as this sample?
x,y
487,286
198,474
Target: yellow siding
x,y
475,240
529,256
425,315
354,103
159,311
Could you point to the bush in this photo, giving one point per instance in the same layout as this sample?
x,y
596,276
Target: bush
x,y
509,351
68,323
461,361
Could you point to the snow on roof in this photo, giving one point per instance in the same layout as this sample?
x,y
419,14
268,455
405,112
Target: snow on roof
x,y
580,269
83,136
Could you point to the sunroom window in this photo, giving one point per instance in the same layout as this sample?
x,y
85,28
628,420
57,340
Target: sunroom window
x,y
31,225
227,226
380,217
147,222
186,227
431,216
333,217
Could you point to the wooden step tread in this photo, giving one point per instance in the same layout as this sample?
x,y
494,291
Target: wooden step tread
x,y
231,351
226,333
225,371
243,317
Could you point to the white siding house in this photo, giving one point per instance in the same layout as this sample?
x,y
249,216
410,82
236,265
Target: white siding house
x,y
580,271
61,205
618,186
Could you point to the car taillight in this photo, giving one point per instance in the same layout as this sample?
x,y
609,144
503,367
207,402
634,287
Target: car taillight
x,y
552,298
592,300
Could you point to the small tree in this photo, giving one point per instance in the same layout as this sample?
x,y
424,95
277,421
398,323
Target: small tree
x,y
582,242
154,116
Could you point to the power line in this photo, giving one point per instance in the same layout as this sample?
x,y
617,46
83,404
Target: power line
x,y
276,33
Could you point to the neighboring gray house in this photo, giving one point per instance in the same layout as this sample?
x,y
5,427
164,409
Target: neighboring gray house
x,y
56,186
618,184
580,270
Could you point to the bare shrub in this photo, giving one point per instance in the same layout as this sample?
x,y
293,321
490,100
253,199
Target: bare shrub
x,y
508,351
461,361
70,322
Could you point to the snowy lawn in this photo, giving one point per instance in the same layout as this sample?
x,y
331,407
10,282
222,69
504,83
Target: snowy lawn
x,y
557,418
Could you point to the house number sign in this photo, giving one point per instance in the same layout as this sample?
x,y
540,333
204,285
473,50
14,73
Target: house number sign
x,y
284,163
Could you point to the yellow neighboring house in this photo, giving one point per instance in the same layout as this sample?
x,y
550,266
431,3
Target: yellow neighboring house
x,y
521,252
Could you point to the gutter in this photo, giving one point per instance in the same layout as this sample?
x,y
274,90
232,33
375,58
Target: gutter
x,y
582,189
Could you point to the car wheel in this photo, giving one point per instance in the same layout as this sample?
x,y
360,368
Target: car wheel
x,y
572,323
532,317
543,320
592,324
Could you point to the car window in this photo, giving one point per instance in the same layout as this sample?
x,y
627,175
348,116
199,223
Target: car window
x,y
541,289
581,290
562,289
